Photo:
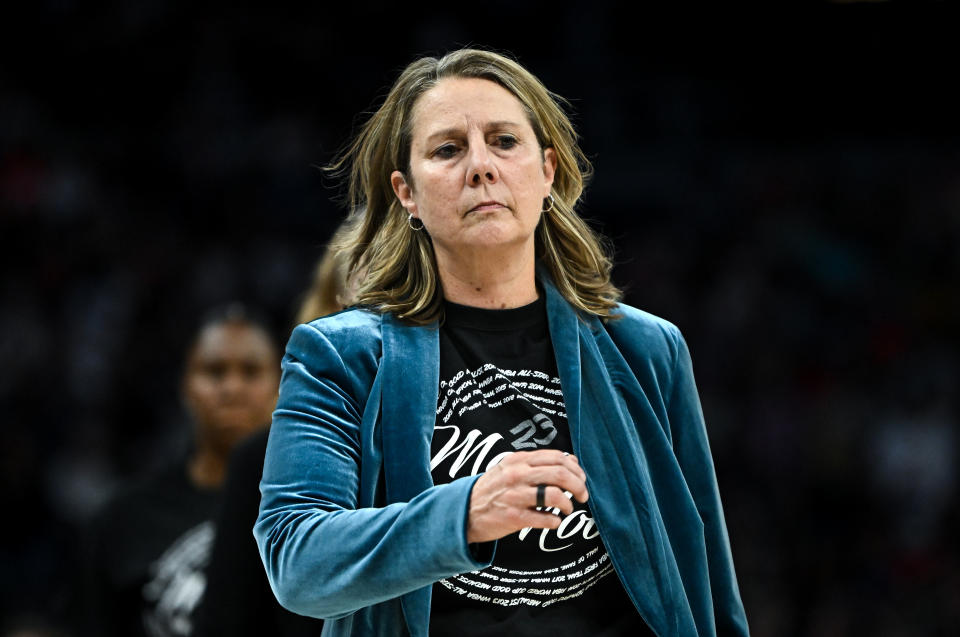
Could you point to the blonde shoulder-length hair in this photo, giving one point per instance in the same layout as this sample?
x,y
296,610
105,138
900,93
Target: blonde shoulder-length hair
x,y
393,267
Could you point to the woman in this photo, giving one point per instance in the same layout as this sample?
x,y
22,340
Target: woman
x,y
146,569
238,600
490,443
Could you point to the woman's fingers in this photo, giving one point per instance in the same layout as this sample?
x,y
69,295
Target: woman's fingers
x,y
503,500
547,457
561,478
553,498
537,520
547,466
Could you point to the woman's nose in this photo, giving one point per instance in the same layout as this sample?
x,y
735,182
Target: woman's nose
x,y
233,385
481,168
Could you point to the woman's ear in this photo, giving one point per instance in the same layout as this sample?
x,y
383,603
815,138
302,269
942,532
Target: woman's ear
x,y
403,191
549,168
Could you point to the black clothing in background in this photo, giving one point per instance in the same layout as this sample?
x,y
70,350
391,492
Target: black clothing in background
x,y
148,550
239,601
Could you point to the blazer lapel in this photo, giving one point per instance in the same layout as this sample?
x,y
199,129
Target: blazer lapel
x,y
411,381
606,443
564,334
411,368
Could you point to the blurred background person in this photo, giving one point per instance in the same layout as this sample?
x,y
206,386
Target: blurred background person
x,y
151,543
238,600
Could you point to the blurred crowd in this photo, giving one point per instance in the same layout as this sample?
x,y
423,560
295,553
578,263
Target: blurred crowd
x,y
800,227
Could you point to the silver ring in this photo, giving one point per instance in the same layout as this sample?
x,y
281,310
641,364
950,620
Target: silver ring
x,y
541,491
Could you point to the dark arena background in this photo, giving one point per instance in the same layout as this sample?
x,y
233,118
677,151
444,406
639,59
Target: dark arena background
x,y
785,187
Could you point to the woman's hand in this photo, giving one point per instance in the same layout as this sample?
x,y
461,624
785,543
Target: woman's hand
x,y
503,499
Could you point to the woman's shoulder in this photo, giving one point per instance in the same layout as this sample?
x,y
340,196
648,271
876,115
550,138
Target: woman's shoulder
x,y
350,321
641,324
349,332
644,338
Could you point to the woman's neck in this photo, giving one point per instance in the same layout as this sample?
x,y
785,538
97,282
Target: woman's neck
x,y
489,281
207,468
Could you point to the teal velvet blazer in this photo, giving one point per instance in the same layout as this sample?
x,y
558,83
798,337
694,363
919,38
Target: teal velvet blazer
x,y
352,529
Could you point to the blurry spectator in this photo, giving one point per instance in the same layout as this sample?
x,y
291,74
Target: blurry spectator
x,y
151,544
238,600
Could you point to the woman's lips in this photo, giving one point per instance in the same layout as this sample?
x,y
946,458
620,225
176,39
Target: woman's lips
x,y
485,206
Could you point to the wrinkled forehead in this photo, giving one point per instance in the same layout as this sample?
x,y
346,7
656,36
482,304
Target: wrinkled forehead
x,y
458,102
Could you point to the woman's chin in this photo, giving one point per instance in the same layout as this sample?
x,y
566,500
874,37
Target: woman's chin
x,y
494,234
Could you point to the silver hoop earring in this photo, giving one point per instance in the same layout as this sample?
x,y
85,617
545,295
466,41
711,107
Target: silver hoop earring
x,y
547,206
411,219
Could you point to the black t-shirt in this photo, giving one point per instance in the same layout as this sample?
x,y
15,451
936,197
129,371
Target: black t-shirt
x,y
500,393
147,555
238,601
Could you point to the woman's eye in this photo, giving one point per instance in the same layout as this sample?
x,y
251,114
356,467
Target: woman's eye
x,y
215,370
446,151
506,141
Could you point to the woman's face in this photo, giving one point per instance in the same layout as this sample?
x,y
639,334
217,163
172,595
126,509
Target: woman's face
x,y
230,384
477,176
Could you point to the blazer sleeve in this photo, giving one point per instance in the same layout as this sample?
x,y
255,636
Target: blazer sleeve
x,y
325,555
692,450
